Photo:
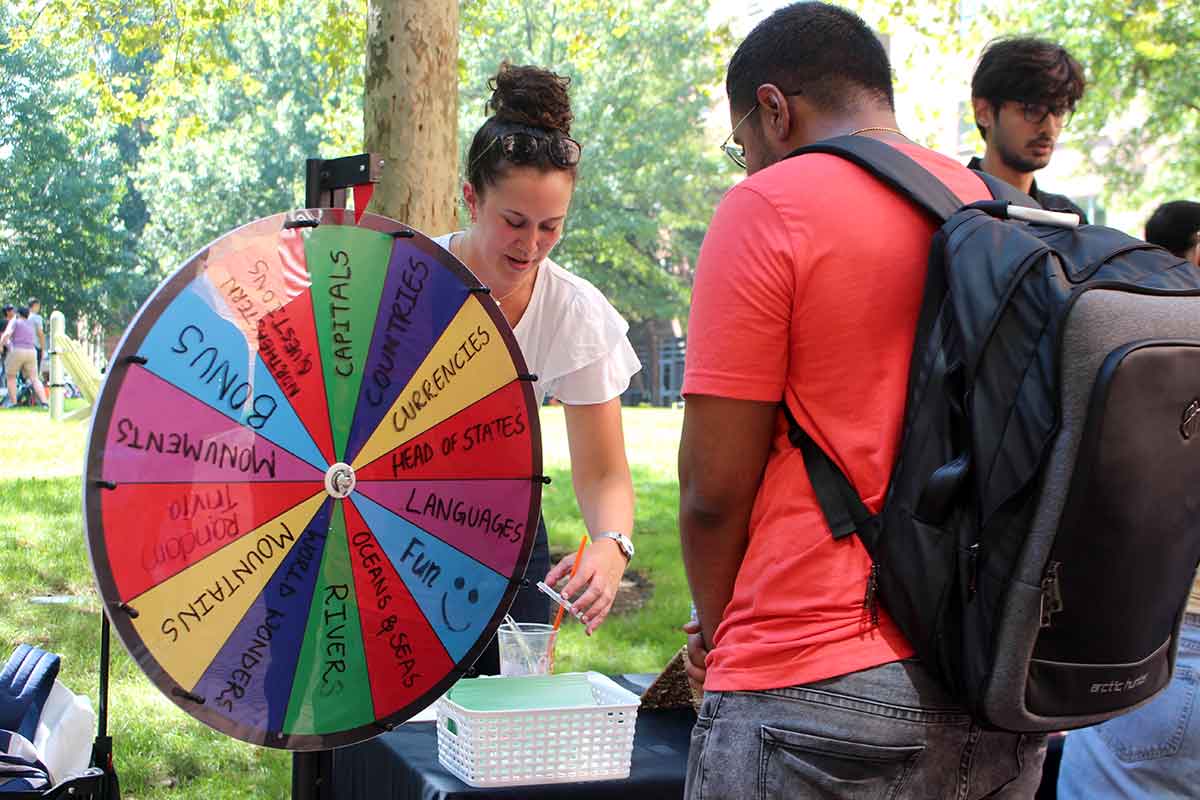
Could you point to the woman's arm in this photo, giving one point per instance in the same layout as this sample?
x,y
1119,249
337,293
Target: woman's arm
x,y
604,490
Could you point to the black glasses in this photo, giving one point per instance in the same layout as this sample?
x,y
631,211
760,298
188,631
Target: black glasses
x,y
524,148
737,153
1036,113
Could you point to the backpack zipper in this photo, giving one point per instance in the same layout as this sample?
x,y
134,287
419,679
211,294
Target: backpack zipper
x,y
871,599
1052,601
972,569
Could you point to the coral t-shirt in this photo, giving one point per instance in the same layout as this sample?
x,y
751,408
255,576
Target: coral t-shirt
x,y
808,288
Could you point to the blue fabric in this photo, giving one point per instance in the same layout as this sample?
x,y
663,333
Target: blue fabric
x,y
25,683
1153,752
20,768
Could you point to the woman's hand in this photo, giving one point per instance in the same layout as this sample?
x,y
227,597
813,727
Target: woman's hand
x,y
596,582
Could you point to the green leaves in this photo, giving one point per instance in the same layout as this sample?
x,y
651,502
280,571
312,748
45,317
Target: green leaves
x,y
650,176
1140,118
69,218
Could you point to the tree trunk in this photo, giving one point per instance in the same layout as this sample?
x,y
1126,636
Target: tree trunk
x,y
410,111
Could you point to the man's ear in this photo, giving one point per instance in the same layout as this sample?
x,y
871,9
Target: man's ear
x,y
775,116
985,114
1193,254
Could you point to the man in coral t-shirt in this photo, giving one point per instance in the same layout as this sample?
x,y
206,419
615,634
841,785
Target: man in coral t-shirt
x,y
807,293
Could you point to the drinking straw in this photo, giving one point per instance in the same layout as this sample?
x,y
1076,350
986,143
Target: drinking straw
x,y
574,568
559,616
521,643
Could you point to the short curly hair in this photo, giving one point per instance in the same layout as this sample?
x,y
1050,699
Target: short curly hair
x,y
825,52
1175,226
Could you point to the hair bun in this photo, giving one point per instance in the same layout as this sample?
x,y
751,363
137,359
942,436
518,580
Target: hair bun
x,y
531,96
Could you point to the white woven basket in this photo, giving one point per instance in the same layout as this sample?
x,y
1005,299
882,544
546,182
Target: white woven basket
x,y
557,745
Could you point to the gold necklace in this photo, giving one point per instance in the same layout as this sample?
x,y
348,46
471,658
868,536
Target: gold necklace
x,y
509,293
877,128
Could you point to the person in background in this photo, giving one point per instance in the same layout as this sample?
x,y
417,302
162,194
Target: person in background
x,y
22,357
1175,226
521,173
807,292
1023,92
39,326
1154,751
9,312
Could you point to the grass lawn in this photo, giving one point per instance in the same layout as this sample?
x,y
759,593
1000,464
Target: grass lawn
x,y
163,753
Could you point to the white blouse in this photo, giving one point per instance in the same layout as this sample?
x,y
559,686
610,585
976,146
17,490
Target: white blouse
x,y
572,338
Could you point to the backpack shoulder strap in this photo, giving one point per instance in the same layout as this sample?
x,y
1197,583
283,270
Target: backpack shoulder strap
x,y
1003,190
893,168
845,512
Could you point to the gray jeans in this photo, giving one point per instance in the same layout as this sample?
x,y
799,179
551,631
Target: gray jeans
x,y
886,732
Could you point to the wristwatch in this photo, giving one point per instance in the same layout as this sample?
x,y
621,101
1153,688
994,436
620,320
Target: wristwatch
x,y
622,542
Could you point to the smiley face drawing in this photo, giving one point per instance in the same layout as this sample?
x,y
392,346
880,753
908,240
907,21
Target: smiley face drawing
x,y
472,598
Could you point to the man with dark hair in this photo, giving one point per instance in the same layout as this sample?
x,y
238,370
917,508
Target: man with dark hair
x,y
1024,91
808,288
1175,226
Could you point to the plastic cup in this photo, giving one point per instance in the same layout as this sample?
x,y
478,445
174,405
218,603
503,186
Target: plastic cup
x,y
529,650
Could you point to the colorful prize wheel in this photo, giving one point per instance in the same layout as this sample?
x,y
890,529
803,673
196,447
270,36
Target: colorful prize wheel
x,y
313,479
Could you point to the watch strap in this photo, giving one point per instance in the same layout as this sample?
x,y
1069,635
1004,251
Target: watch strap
x,y
622,541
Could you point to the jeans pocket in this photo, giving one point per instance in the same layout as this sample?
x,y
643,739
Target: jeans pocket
x,y
794,764
694,780
1157,729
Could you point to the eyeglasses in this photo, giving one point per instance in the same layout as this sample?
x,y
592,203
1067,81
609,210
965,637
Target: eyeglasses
x,y
523,148
737,153
1036,113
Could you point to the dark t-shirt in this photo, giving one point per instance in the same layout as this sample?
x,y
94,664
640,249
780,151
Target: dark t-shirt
x,y
1047,200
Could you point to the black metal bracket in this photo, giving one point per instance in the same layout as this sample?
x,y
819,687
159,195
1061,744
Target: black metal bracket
x,y
326,181
186,695
135,359
300,223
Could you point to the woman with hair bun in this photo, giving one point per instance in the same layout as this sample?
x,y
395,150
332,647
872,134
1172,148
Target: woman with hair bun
x,y
521,170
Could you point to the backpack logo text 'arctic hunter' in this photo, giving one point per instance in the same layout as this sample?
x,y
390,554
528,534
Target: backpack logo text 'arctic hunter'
x,y
1191,420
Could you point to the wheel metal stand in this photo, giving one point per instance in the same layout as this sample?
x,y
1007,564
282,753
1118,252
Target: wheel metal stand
x,y
326,183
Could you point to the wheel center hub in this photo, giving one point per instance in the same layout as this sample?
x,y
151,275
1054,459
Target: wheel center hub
x,y
340,480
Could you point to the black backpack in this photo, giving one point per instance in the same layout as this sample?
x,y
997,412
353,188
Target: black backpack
x,y
1041,528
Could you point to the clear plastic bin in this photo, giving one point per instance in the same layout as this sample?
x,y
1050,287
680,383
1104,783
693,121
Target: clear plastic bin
x,y
553,745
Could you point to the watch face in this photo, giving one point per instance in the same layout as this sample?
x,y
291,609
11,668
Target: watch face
x,y
625,545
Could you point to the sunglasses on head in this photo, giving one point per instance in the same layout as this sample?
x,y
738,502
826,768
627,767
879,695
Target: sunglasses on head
x,y
524,148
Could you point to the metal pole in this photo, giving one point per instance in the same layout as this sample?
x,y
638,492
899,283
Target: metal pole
x,y
310,770
102,748
58,329
102,722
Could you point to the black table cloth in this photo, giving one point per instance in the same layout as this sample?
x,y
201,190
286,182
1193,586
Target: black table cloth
x,y
403,765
